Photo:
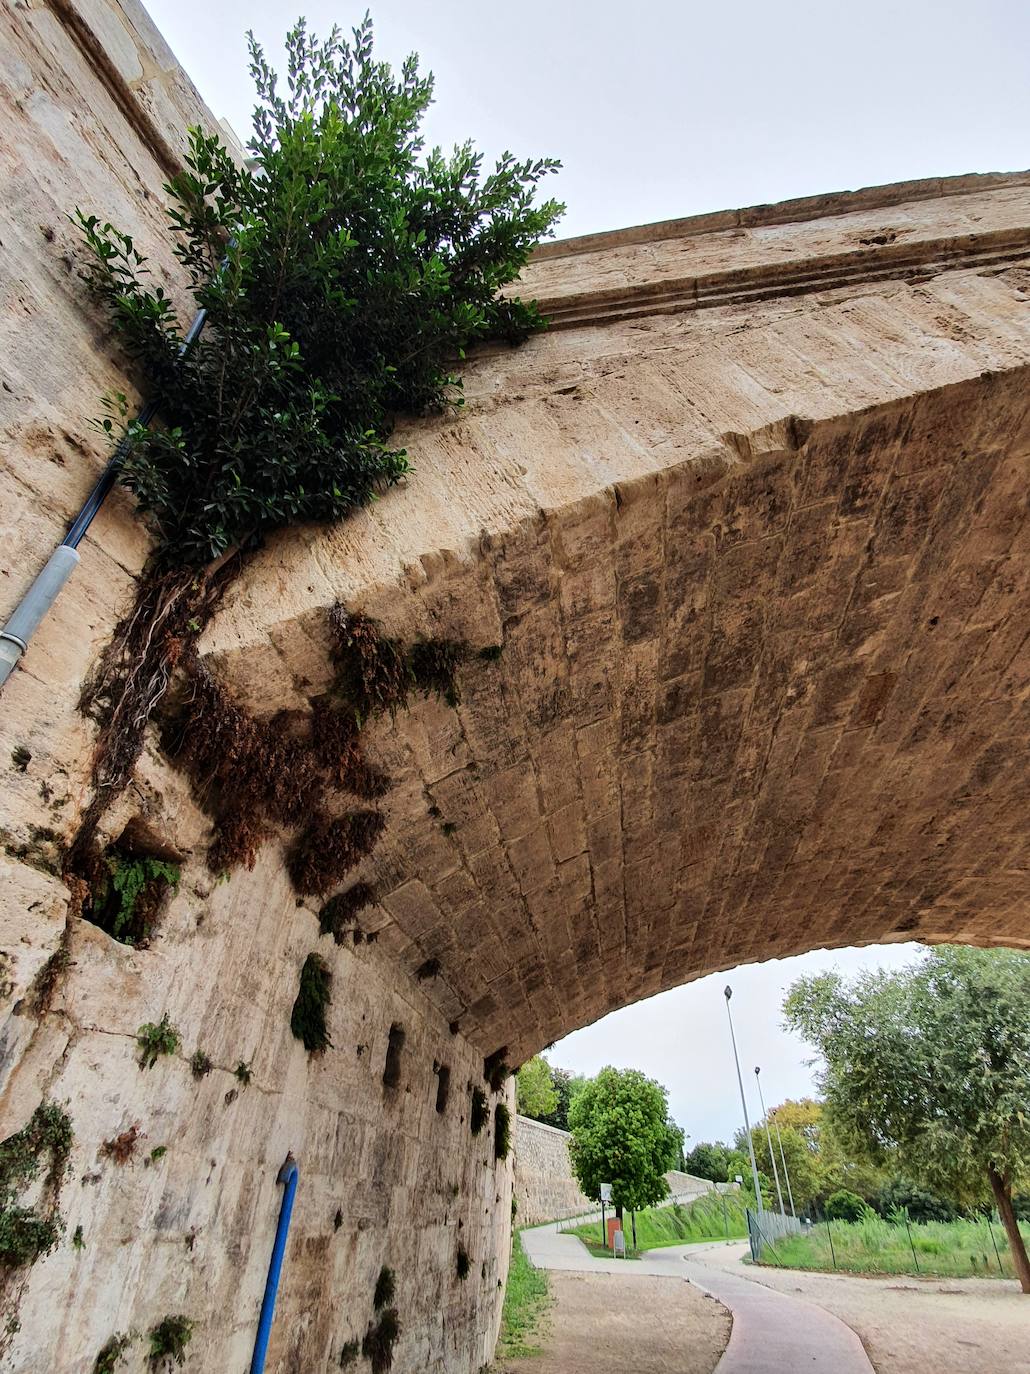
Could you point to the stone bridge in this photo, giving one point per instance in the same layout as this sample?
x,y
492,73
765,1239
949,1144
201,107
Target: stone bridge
x,y
750,525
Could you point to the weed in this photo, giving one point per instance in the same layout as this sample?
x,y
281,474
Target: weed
x,y
449,828
27,1233
200,1064
168,1341
329,847
434,665
78,1240
480,1111
372,670
495,1070
308,1020
430,969
156,1040
340,912
502,1131
126,893
21,757
349,1353
490,653
384,1290
158,1153
380,1339
111,1354
242,1073
464,1264
122,1147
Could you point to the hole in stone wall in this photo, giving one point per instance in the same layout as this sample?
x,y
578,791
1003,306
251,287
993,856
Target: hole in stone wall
x,y
394,1049
129,884
443,1087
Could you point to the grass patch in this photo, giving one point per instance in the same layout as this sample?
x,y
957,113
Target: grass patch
x,y
526,1300
681,1223
600,1251
943,1249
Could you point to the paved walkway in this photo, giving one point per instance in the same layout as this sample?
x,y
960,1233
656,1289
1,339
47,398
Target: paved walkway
x,y
773,1333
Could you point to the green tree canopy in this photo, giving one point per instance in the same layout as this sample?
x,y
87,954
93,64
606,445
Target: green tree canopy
x,y
709,1159
566,1086
802,1165
931,1066
535,1093
621,1135
344,272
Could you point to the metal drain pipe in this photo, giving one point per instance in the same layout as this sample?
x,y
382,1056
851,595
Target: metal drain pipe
x,y
15,636
288,1176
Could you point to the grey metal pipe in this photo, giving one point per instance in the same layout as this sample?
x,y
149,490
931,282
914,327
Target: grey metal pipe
x,y
15,635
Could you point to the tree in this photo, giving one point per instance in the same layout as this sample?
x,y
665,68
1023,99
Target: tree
x,y
802,1165
677,1140
709,1160
846,1206
344,272
931,1065
621,1135
535,1093
566,1085
901,1194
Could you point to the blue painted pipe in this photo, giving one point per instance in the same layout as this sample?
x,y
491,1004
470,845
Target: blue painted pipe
x,y
288,1175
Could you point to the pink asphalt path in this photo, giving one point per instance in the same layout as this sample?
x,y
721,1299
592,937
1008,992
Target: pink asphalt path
x,y
775,1333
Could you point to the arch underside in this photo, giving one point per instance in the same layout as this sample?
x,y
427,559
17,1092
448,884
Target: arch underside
x,y
740,713
761,581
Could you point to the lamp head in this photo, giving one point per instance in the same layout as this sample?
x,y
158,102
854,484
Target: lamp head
x,y
727,992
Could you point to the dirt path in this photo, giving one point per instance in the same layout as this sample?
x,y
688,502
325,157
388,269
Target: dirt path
x,y
604,1322
910,1326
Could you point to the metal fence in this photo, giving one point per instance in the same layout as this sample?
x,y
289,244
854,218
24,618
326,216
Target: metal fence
x,y
764,1231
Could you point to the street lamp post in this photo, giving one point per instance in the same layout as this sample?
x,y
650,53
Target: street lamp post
x,y
768,1139
728,992
786,1173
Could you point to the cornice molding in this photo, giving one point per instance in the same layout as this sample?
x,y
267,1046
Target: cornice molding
x,y
891,262
798,211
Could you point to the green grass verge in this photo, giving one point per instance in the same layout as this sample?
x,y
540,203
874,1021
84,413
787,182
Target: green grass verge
x,y
526,1301
602,1251
679,1224
943,1249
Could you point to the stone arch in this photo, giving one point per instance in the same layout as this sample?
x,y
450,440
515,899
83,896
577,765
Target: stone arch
x,y
749,522
756,555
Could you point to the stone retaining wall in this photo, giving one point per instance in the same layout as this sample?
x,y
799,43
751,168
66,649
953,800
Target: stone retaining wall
x,y
545,1187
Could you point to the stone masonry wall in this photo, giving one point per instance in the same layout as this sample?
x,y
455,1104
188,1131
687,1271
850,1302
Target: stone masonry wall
x,y
751,526
545,1187
94,109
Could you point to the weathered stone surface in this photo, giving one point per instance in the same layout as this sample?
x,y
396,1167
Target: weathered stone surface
x,y
545,1186
751,528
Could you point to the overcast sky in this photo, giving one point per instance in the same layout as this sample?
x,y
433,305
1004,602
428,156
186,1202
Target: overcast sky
x,y
664,108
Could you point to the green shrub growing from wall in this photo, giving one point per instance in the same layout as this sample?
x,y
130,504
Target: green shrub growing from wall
x,y
308,1021
343,273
